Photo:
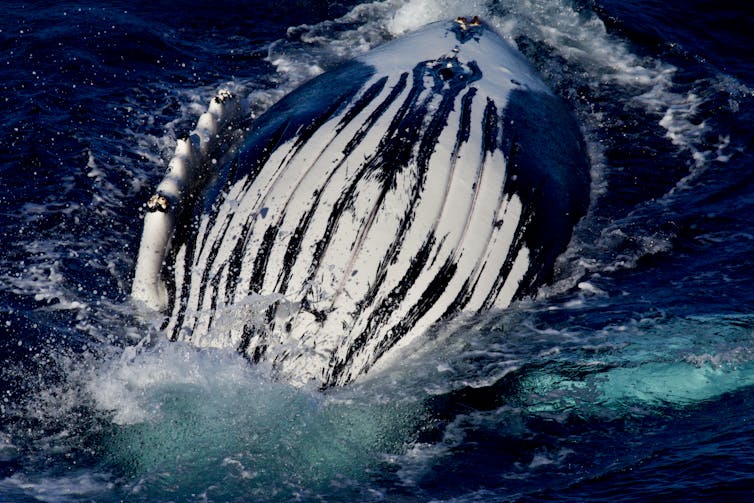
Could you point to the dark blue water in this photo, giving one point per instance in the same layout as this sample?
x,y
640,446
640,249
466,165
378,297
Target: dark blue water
x,y
632,377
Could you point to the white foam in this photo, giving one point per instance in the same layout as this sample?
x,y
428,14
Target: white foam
x,y
126,385
72,487
8,451
415,14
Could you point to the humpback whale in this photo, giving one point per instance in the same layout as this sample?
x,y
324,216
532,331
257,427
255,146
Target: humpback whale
x,y
434,175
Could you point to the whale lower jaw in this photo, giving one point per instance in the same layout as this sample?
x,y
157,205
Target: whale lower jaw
x,y
435,175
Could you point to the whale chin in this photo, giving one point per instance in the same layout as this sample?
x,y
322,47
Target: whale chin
x,y
434,175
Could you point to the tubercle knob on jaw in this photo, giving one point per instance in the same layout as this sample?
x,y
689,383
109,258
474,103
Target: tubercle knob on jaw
x,y
158,202
467,29
468,23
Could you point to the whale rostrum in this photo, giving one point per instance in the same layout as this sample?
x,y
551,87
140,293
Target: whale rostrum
x,y
434,175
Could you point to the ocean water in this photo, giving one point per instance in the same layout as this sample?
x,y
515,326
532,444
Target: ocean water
x,y
629,378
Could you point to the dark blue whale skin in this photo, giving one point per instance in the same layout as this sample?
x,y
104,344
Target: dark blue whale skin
x,y
372,202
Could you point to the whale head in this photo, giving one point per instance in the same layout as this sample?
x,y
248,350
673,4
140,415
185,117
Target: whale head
x,y
436,174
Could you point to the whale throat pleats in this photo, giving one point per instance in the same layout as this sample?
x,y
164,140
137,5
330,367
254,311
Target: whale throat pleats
x,y
376,200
